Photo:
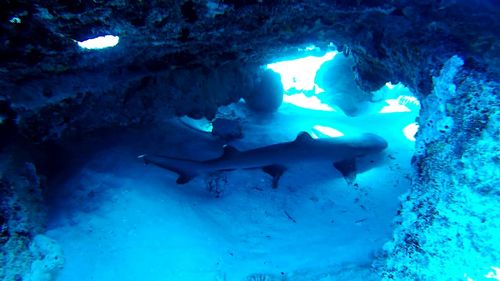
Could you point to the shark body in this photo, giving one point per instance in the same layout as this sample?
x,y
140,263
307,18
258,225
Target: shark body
x,y
274,159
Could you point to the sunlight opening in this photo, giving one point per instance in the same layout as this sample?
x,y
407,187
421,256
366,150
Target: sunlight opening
x,y
301,100
495,274
327,131
410,131
400,104
389,85
299,74
100,42
393,105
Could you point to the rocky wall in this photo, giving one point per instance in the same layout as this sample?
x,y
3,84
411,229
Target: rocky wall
x,y
449,222
61,107
44,74
23,251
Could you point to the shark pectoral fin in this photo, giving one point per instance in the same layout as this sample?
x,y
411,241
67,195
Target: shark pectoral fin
x,y
276,171
184,178
348,169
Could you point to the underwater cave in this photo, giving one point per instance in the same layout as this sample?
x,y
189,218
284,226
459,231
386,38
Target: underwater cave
x,y
249,140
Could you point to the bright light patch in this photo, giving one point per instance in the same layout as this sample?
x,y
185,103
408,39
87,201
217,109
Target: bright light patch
x,y
198,124
410,131
304,101
300,73
395,87
100,42
309,48
15,20
389,85
400,104
495,274
318,90
394,106
328,131
313,135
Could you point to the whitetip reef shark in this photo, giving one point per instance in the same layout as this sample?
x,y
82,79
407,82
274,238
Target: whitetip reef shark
x,y
274,159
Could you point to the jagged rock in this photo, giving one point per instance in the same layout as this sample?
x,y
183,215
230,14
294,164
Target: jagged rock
x,y
49,259
43,69
23,214
450,216
227,129
266,93
337,78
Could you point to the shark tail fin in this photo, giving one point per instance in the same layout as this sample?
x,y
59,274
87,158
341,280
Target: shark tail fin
x,y
184,176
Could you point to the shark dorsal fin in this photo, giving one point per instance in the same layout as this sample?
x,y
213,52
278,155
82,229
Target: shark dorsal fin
x,y
303,137
230,151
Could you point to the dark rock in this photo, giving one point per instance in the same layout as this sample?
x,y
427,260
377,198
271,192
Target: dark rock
x,y
22,215
86,102
189,12
337,78
404,41
266,95
227,129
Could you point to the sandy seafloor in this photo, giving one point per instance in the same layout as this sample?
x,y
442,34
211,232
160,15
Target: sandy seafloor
x,y
118,219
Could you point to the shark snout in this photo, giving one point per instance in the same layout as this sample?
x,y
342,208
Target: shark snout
x,y
373,142
378,141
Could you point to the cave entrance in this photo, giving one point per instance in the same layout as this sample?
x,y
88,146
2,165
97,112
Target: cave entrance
x,y
118,219
327,84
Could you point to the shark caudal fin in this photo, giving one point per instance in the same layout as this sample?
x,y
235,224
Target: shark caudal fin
x,y
185,169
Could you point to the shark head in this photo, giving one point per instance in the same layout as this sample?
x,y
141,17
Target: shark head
x,y
368,144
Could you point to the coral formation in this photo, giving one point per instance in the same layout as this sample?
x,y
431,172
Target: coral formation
x,y
48,259
439,105
448,227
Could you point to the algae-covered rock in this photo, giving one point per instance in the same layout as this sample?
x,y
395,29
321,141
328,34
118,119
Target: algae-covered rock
x,y
48,259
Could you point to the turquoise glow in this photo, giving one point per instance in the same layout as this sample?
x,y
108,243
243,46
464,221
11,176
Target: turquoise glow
x,y
304,101
299,74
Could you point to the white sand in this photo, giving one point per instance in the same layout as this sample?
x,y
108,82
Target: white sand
x,y
117,219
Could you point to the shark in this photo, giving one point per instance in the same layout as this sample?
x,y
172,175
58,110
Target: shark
x,y
276,158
